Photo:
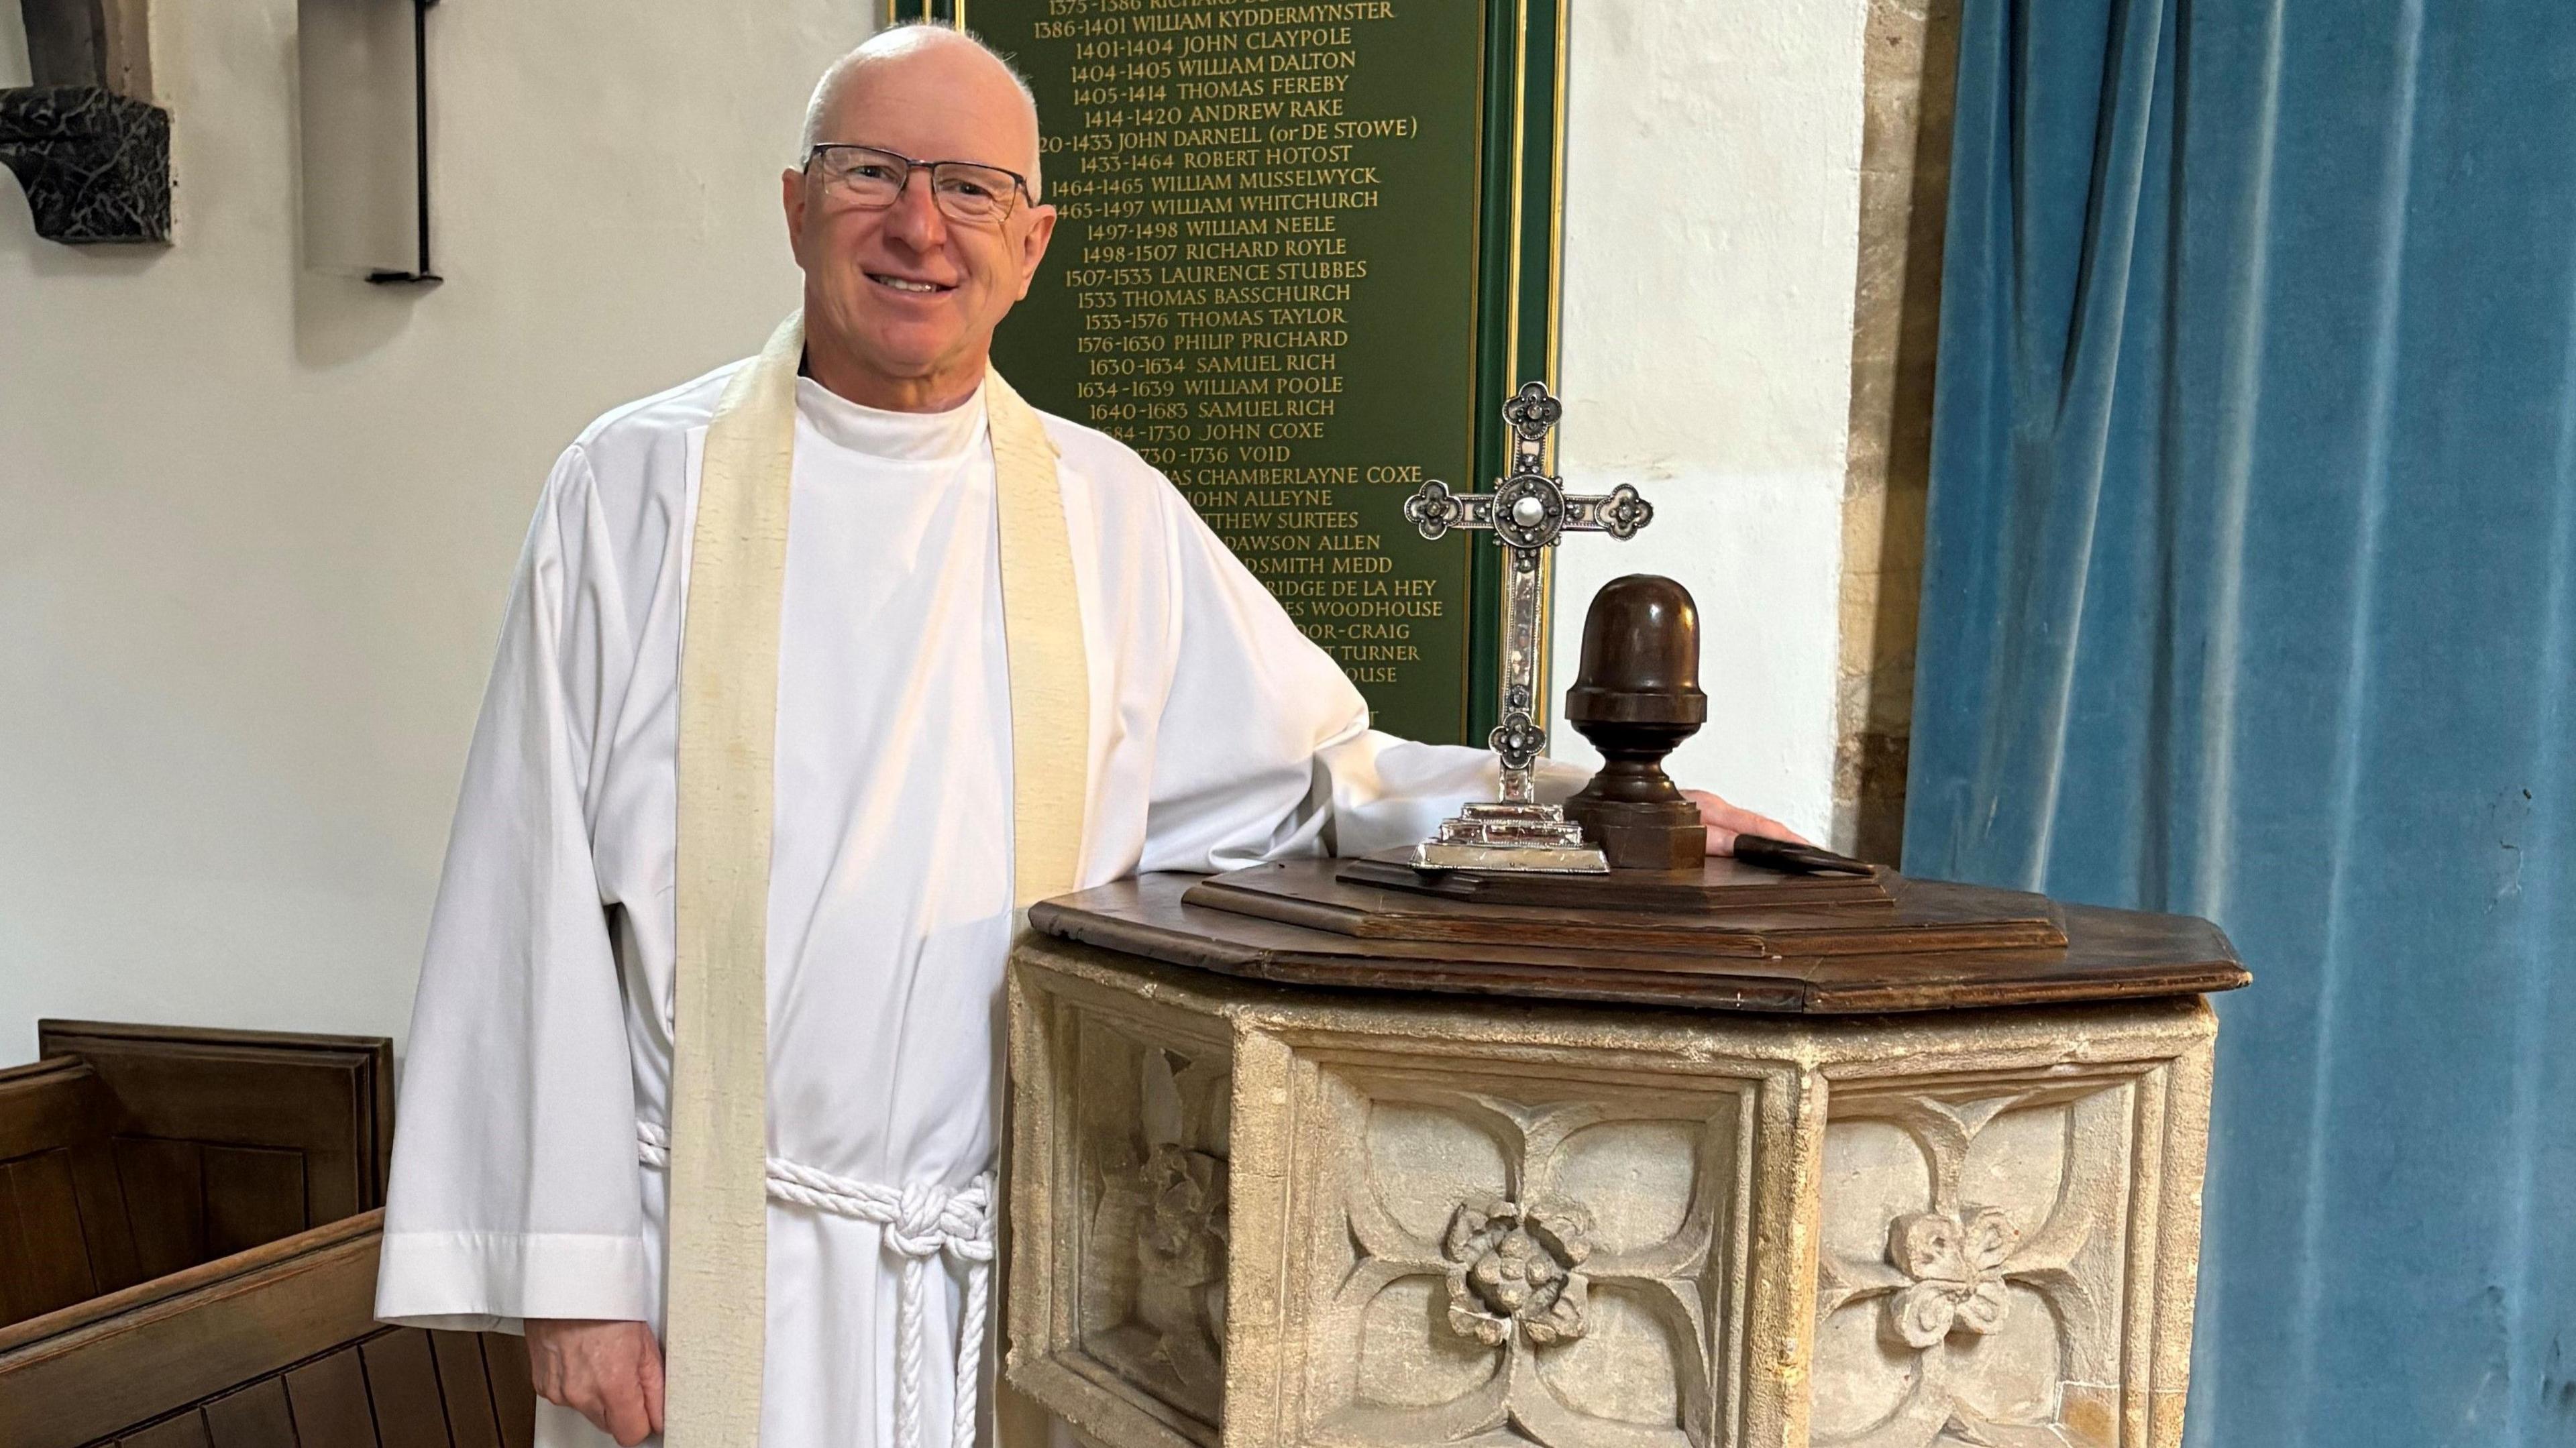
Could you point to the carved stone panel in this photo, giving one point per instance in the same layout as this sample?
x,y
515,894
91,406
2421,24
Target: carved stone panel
x,y
1977,1241
1141,1152
1155,1177
1522,1260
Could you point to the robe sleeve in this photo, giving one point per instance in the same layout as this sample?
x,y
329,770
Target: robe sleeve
x,y
1264,749
515,1189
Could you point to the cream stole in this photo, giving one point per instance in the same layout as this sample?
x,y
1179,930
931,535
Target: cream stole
x,y
716,1310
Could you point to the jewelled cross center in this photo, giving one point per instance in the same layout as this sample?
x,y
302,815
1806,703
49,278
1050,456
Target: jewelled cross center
x,y
1527,513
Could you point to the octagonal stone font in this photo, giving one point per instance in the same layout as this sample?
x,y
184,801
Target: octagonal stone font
x,y
1248,1216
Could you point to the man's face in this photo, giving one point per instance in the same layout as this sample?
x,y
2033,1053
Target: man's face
x,y
907,297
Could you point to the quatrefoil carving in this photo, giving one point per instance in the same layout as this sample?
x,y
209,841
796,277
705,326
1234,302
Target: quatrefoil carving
x,y
1990,1281
1563,1249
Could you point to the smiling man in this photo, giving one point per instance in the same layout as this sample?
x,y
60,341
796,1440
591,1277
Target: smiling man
x,y
548,1108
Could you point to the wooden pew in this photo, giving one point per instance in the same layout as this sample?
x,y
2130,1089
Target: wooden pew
x,y
189,1223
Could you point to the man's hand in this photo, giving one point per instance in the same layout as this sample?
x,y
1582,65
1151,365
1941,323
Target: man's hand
x,y
1725,822
609,1372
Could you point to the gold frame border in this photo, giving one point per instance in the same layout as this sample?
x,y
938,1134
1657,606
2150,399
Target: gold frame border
x,y
1540,710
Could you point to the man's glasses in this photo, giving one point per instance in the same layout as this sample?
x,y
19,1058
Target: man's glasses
x,y
872,180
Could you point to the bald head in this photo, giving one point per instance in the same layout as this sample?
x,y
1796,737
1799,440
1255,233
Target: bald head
x,y
930,59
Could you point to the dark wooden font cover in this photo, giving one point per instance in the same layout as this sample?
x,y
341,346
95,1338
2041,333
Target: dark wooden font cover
x,y
1924,946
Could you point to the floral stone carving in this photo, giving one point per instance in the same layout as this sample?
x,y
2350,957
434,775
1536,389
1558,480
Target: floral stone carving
x,y
1184,1201
1516,1267
1957,1269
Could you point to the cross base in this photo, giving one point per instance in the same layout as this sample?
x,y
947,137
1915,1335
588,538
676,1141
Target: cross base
x,y
1503,835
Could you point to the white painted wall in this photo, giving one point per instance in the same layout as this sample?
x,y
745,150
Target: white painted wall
x,y
256,525
1712,202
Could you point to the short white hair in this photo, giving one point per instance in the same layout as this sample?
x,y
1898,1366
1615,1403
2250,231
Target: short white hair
x,y
819,107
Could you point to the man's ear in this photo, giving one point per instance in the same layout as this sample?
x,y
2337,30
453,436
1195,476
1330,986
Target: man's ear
x,y
1033,246
791,197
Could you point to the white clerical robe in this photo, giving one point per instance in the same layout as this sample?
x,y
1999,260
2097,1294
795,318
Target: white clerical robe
x,y
541,1037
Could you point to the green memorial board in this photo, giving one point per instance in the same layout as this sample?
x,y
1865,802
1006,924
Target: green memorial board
x,y
1304,252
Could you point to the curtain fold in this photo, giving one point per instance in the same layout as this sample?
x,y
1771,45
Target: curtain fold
x,y
2250,591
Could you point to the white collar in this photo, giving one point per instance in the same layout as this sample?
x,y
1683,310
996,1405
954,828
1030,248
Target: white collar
x,y
893,436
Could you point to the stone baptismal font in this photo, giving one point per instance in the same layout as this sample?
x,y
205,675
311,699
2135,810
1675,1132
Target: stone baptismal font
x,y
1616,1149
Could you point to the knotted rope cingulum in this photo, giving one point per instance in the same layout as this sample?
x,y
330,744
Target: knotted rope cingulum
x,y
922,1223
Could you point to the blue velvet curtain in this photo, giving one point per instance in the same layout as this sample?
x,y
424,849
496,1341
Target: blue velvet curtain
x,y
2250,591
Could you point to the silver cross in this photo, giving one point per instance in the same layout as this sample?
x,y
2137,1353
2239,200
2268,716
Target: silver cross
x,y
1527,512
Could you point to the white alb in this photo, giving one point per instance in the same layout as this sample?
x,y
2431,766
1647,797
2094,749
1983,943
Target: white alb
x,y
541,1039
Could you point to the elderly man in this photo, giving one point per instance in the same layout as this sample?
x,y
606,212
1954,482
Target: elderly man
x,y
530,1187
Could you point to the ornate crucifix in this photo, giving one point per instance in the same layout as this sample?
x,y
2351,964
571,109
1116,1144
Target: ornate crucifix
x,y
1528,512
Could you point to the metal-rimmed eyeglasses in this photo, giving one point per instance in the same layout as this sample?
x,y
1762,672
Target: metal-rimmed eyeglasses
x,y
871,178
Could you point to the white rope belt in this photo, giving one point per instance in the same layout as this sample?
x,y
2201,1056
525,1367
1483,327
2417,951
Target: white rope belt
x,y
922,1223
